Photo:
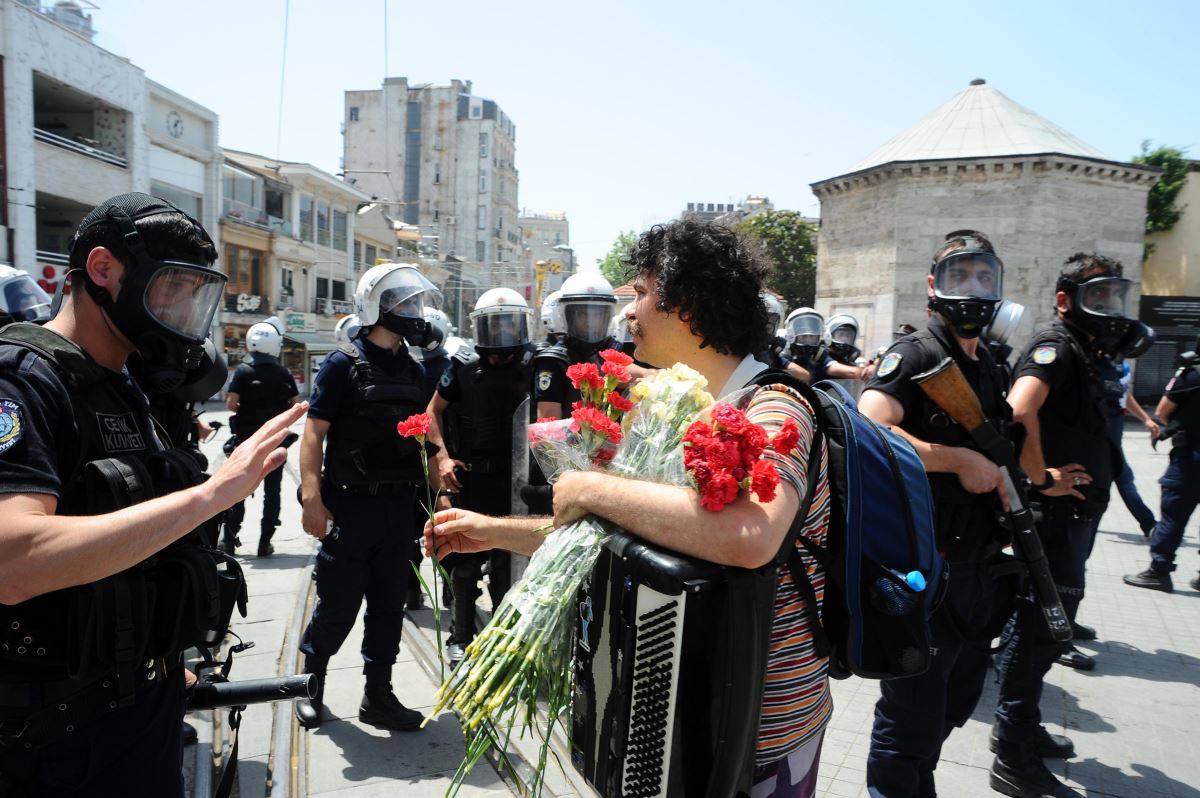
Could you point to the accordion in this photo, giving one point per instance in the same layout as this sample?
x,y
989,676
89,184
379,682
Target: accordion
x,y
669,662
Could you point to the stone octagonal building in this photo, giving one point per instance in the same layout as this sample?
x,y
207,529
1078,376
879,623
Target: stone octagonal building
x,y
982,162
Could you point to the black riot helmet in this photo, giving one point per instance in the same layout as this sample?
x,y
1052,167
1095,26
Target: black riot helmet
x,y
968,280
167,300
21,299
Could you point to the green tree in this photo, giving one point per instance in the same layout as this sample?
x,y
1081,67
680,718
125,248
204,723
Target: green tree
x,y
791,244
1161,213
612,265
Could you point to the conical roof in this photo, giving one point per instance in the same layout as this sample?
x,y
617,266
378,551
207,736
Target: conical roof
x,y
979,122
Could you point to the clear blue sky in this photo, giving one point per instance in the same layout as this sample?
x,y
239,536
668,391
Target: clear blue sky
x,y
625,111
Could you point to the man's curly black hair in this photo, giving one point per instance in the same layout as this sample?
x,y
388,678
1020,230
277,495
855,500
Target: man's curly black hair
x,y
711,277
1080,264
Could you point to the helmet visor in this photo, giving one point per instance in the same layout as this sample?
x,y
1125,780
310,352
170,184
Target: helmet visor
x,y
772,322
1105,296
807,326
587,321
183,298
503,329
24,300
969,275
845,334
407,293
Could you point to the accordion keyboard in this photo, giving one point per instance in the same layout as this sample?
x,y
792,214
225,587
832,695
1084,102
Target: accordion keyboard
x,y
655,685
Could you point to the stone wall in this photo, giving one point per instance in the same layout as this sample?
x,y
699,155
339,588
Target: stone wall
x,y
879,229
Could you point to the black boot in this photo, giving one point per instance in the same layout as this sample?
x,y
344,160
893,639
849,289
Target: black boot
x,y
265,549
309,710
1045,744
1018,772
230,542
380,708
1151,580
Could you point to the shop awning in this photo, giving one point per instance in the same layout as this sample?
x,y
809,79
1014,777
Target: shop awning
x,y
312,341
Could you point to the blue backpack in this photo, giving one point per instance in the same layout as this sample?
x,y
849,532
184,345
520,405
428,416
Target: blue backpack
x,y
883,574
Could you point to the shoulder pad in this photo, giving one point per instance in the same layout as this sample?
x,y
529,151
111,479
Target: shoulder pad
x,y
1051,331
554,352
465,357
349,350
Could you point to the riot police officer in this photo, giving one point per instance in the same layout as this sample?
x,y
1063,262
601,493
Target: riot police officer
x,y
473,413
775,354
1058,396
582,312
98,598
21,299
550,321
811,352
259,390
363,490
1179,407
915,715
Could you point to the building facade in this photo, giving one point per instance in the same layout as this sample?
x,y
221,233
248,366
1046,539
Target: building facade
x,y
444,160
295,241
546,253
981,162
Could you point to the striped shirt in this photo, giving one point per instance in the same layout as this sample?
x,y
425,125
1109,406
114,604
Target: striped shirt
x,y
796,700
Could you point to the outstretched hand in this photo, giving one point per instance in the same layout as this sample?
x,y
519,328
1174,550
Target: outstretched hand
x,y
255,457
458,531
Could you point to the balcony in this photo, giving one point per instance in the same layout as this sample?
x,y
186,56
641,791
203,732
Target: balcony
x,y
285,301
79,147
255,217
332,307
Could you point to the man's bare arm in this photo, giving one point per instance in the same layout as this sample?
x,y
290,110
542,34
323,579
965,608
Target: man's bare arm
x,y
41,551
1026,398
442,474
315,516
1165,408
465,532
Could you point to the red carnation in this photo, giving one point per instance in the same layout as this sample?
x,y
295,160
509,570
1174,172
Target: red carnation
x,y
753,441
616,371
618,402
787,438
721,490
764,479
415,426
616,356
587,374
546,419
605,455
723,454
697,434
729,419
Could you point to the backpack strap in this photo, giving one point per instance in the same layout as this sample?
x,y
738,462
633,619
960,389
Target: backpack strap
x,y
788,553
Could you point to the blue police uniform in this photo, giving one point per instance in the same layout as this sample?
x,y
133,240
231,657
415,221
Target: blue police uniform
x,y
915,715
1181,481
369,485
1074,429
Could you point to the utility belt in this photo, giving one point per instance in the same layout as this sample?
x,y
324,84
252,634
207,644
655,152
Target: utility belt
x,y
377,488
33,714
496,466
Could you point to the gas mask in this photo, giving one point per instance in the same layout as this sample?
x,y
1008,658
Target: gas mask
x,y
967,287
1098,307
165,306
401,311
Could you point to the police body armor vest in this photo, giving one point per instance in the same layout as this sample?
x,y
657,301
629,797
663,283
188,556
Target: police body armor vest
x,y
569,356
267,395
363,447
156,609
959,515
1188,415
484,414
1077,434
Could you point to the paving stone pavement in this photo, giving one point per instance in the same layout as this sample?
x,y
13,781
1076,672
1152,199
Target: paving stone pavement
x,y
1130,719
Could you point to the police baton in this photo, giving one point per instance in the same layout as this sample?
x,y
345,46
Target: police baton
x,y
946,387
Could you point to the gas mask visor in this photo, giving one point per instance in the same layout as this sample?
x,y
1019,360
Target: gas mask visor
x,y
183,298
1104,297
967,275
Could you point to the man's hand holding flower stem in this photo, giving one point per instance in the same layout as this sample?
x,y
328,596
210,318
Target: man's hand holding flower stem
x,y
457,531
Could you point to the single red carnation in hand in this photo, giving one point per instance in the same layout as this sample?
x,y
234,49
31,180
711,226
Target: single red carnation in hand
x,y
764,479
616,356
721,490
581,374
729,419
415,426
786,439
615,400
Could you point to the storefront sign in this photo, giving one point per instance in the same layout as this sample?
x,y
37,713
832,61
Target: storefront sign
x,y
298,321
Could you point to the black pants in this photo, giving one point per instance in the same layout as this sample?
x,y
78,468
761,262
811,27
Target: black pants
x,y
368,559
136,750
270,517
490,494
915,715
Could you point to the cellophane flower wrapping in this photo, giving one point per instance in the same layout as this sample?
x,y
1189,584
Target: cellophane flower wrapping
x,y
524,653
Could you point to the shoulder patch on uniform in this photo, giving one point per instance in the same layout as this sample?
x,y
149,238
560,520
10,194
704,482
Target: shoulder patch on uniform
x,y
543,380
1045,355
445,380
11,424
889,364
